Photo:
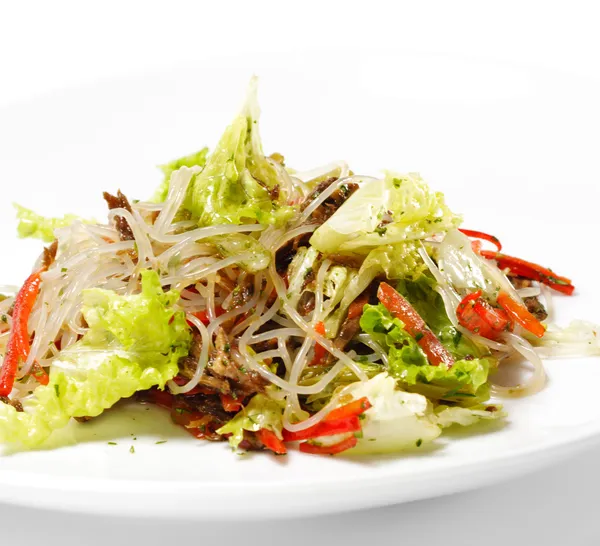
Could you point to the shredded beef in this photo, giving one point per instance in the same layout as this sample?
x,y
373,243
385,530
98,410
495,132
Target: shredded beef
x,y
222,375
14,403
120,202
306,304
49,254
285,254
326,209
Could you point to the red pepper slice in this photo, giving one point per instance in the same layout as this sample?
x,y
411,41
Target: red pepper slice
x,y
40,374
414,325
202,316
329,450
530,270
471,320
324,428
485,236
17,349
163,399
352,408
319,351
270,440
519,314
478,316
230,403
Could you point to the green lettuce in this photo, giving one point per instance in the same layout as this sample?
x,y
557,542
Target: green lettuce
x,y
36,226
465,382
398,261
193,160
133,343
392,210
261,412
238,184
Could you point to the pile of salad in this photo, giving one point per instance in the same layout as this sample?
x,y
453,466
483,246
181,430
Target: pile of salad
x,y
275,309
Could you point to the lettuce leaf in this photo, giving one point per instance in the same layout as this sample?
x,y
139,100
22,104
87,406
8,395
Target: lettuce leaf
x,y
392,210
398,261
197,159
465,382
260,412
238,184
36,226
396,421
133,343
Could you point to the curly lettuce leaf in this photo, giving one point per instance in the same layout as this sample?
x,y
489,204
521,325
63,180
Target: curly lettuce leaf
x,y
465,382
133,343
36,226
446,416
238,185
197,159
395,209
261,412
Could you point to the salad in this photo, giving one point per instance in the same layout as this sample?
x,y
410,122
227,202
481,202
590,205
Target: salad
x,y
275,309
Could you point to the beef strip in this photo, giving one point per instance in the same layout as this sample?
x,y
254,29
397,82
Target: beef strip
x,y
222,375
533,304
49,254
222,365
326,209
306,304
285,254
14,403
120,202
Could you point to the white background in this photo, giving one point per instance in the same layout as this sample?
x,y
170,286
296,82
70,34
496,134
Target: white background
x,y
48,46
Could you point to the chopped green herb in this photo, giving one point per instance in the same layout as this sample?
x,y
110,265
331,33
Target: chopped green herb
x,y
57,390
457,337
419,336
4,319
419,442
112,443
161,442
132,449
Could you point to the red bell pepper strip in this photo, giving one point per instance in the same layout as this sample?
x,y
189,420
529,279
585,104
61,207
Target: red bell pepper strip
x,y
414,325
230,403
519,314
356,407
481,235
163,399
329,450
479,317
319,351
270,440
202,316
530,270
337,421
18,347
39,374
324,428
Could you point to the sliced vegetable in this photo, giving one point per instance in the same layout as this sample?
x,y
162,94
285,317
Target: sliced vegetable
x,y
324,428
17,350
319,350
318,449
357,407
270,440
478,316
519,314
530,270
415,325
481,235
261,412
230,403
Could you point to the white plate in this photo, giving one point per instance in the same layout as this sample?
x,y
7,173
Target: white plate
x,y
514,150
